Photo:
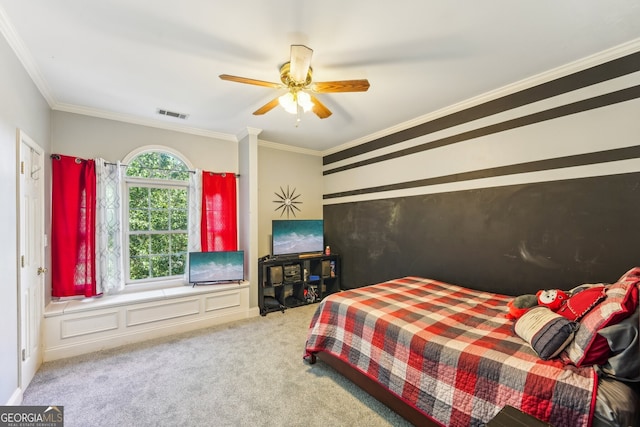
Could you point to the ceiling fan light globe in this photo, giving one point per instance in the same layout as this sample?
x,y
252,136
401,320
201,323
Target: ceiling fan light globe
x,y
304,100
288,102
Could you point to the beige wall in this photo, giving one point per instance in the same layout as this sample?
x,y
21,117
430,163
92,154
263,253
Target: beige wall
x,y
21,107
90,137
279,168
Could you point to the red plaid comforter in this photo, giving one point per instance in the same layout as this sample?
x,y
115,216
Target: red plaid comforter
x,y
450,352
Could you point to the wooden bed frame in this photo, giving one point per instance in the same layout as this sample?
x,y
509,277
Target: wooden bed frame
x,y
406,411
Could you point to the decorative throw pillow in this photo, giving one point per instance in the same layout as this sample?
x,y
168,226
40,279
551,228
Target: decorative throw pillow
x,y
621,300
581,302
546,332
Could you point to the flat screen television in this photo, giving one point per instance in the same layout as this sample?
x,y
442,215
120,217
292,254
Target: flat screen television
x,y
216,267
297,236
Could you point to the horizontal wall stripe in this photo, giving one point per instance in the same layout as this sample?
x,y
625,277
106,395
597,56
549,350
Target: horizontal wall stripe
x,y
554,113
597,74
602,88
621,167
536,166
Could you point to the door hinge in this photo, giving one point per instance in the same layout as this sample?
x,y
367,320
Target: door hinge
x,y
22,168
24,354
22,261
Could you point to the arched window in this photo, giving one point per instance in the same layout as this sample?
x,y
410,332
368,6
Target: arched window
x,y
156,229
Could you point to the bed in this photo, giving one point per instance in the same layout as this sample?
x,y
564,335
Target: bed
x,y
443,355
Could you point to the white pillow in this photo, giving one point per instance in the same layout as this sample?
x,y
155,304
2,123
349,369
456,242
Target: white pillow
x,y
548,333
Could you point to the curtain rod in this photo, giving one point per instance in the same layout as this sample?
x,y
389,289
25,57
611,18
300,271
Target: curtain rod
x,y
237,175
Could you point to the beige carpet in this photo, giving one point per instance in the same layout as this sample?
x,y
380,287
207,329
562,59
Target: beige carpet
x,y
245,373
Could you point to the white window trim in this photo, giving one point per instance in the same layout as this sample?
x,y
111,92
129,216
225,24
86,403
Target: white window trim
x,y
148,284
148,148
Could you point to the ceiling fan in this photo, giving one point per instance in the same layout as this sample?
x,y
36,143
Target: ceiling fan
x,y
296,77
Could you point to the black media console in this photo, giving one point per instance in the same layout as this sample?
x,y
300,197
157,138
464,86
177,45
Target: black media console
x,y
286,282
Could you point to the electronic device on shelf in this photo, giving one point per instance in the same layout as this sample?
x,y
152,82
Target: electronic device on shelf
x,y
292,273
297,237
216,267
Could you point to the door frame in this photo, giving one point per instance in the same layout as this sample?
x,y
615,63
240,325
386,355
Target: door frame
x,y
22,140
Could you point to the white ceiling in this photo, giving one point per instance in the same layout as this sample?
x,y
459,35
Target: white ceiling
x,y
124,59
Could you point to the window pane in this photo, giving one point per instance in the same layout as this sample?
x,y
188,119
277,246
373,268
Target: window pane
x,y
178,263
139,268
178,197
139,245
160,266
160,198
138,220
179,220
159,220
158,165
138,197
179,175
160,244
179,243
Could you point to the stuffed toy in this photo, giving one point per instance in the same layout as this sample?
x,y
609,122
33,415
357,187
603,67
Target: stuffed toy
x,y
552,298
520,304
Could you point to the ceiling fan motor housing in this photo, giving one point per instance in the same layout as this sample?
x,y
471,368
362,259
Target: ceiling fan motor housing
x,y
285,77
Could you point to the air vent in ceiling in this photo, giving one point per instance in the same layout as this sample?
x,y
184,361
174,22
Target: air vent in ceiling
x,y
172,114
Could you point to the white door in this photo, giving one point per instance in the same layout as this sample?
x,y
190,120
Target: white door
x,y
31,256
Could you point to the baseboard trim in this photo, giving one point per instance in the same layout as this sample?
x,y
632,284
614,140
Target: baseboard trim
x,y
16,398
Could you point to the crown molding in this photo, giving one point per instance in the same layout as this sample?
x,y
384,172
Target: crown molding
x,y
109,115
291,148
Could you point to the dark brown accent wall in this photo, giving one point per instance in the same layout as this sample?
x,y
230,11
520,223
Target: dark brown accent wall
x,y
512,240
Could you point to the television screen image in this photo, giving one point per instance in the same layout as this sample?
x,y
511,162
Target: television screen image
x,y
297,236
215,267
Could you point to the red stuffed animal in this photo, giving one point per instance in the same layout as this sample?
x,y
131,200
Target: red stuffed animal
x,y
520,304
552,298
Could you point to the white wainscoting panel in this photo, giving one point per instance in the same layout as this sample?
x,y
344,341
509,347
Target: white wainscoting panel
x,y
153,312
76,327
89,324
221,301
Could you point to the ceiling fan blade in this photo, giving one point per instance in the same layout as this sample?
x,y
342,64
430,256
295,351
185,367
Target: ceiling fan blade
x,y
299,63
266,107
319,108
341,86
249,81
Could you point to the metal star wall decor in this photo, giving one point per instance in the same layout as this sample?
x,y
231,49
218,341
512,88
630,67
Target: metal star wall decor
x,y
287,202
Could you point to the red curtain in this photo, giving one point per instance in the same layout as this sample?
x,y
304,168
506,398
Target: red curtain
x,y
218,226
73,226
